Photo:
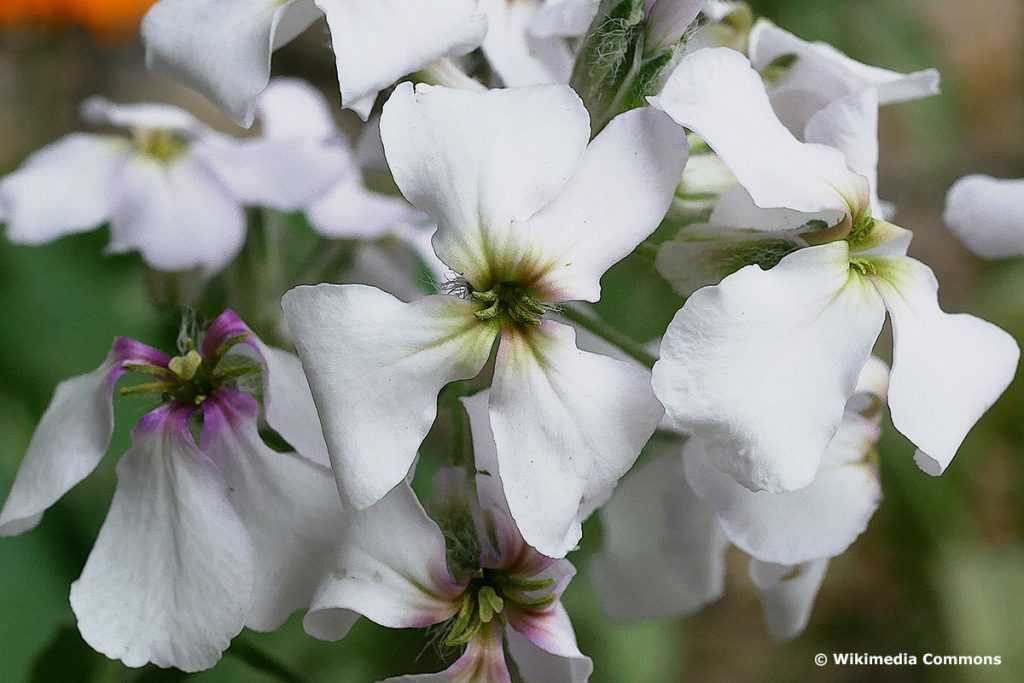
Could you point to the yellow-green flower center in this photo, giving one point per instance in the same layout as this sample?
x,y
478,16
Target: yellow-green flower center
x,y
488,595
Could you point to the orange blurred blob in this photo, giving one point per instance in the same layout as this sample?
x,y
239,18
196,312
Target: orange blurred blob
x,y
103,17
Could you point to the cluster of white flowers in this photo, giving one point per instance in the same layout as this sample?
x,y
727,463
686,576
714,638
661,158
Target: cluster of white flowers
x,y
749,152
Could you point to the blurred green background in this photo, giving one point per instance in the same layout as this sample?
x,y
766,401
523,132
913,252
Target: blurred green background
x,y
940,570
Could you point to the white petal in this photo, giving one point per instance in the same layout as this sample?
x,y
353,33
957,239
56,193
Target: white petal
x,y
564,18
850,124
375,366
567,424
390,568
947,369
82,168
292,109
761,366
667,21
823,73
100,111
516,55
222,47
350,210
289,506
787,594
483,163
615,199
539,666
377,43
820,520
482,661
282,174
178,215
987,214
735,208
664,550
489,489
717,94
170,578
72,437
289,405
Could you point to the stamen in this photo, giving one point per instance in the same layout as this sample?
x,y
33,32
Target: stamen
x,y
512,300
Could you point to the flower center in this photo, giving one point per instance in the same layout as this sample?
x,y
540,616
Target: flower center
x,y
511,300
487,596
162,145
190,378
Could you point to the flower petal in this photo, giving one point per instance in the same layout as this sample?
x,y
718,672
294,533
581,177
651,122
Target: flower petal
x,y
391,568
664,550
280,174
292,109
222,47
179,215
567,424
820,520
717,94
72,437
377,43
822,74
483,163
170,578
564,18
987,214
349,210
787,594
289,405
482,660
100,111
515,54
616,198
537,665
288,505
850,124
375,366
84,167
947,369
761,366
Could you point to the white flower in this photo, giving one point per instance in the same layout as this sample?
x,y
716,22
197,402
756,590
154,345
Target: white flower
x,y
478,577
764,363
174,190
529,216
200,540
222,48
987,214
668,526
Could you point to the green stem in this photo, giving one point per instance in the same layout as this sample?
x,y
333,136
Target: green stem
x,y
261,661
327,260
595,325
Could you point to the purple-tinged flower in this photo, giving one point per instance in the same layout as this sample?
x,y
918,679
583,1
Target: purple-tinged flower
x,y
474,575
201,538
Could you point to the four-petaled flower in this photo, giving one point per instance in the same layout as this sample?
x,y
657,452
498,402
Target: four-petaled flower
x,y
529,217
474,575
201,538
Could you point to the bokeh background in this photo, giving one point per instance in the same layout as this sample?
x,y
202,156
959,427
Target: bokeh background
x,y
940,570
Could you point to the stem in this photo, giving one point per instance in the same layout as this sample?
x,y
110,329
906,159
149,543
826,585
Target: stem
x,y
327,260
261,661
595,325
